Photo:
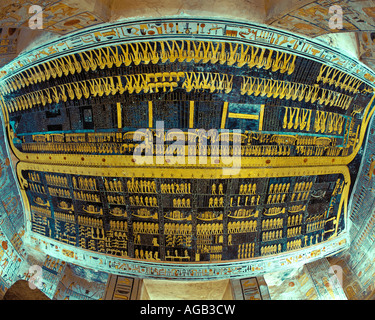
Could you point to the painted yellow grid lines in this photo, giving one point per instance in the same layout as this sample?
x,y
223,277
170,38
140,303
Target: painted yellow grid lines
x,y
224,116
243,116
261,116
119,115
150,114
191,115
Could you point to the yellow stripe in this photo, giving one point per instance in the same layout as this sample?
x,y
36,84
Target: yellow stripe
x,y
191,115
150,114
261,115
119,116
185,172
243,116
224,116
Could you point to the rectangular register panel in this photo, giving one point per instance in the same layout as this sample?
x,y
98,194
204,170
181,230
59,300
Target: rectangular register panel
x,y
170,215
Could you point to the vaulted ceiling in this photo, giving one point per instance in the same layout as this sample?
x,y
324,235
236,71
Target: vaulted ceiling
x,y
70,110
306,17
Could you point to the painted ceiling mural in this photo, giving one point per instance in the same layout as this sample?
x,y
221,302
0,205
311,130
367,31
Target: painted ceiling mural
x,y
12,225
308,18
312,20
185,148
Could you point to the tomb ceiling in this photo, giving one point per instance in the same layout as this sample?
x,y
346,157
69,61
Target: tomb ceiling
x,y
193,143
